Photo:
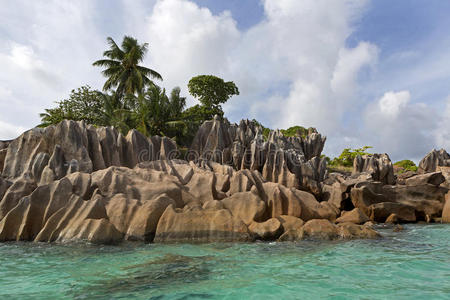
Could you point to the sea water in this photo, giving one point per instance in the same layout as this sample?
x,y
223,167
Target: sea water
x,y
410,264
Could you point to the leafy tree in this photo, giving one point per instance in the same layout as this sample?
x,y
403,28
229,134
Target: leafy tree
x,y
122,67
83,104
406,165
348,155
299,131
211,91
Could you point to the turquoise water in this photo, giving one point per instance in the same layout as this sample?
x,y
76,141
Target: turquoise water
x,y
412,264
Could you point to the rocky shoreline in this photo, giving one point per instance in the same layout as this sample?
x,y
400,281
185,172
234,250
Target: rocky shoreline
x,y
73,182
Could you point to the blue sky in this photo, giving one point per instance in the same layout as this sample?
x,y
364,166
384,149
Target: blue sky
x,y
363,72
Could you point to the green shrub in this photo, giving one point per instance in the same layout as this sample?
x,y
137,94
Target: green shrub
x,y
406,165
348,155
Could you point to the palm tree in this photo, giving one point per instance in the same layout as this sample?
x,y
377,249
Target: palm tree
x,y
155,113
51,116
122,69
115,113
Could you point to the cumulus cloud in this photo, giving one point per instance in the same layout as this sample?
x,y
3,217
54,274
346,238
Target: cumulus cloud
x,y
187,40
295,67
396,125
10,131
47,50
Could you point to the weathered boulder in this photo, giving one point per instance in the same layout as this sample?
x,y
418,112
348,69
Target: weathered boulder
x,y
364,194
446,173
248,206
402,177
356,216
392,219
425,199
379,166
433,160
434,178
354,231
200,226
320,229
290,222
268,230
446,209
379,212
292,228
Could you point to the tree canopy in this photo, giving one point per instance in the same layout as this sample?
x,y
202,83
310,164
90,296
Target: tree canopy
x,y
211,91
348,155
130,99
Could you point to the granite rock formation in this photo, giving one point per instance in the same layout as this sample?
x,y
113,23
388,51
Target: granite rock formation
x,y
74,182
164,201
291,161
379,166
433,160
47,154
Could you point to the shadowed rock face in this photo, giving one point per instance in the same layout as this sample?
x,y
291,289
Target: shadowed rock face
x,y
49,154
379,166
291,161
433,160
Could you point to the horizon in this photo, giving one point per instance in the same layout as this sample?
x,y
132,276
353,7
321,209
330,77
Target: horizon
x,y
370,75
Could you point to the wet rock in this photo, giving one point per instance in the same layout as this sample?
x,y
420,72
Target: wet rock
x,y
268,230
356,216
381,211
200,226
320,229
354,231
392,219
290,223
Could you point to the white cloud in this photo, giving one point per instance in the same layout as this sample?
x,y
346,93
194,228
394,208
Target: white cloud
x,y
9,131
392,103
403,129
293,68
46,50
187,40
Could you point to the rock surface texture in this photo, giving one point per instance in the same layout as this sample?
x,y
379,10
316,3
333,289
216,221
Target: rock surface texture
x,y
73,182
433,160
291,161
379,166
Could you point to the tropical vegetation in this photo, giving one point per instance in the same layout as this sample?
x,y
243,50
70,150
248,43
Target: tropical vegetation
x,y
130,99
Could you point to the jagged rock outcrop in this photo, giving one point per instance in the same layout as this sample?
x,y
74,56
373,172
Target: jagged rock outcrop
x,y
291,161
164,201
48,154
421,202
73,182
433,160
379,166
